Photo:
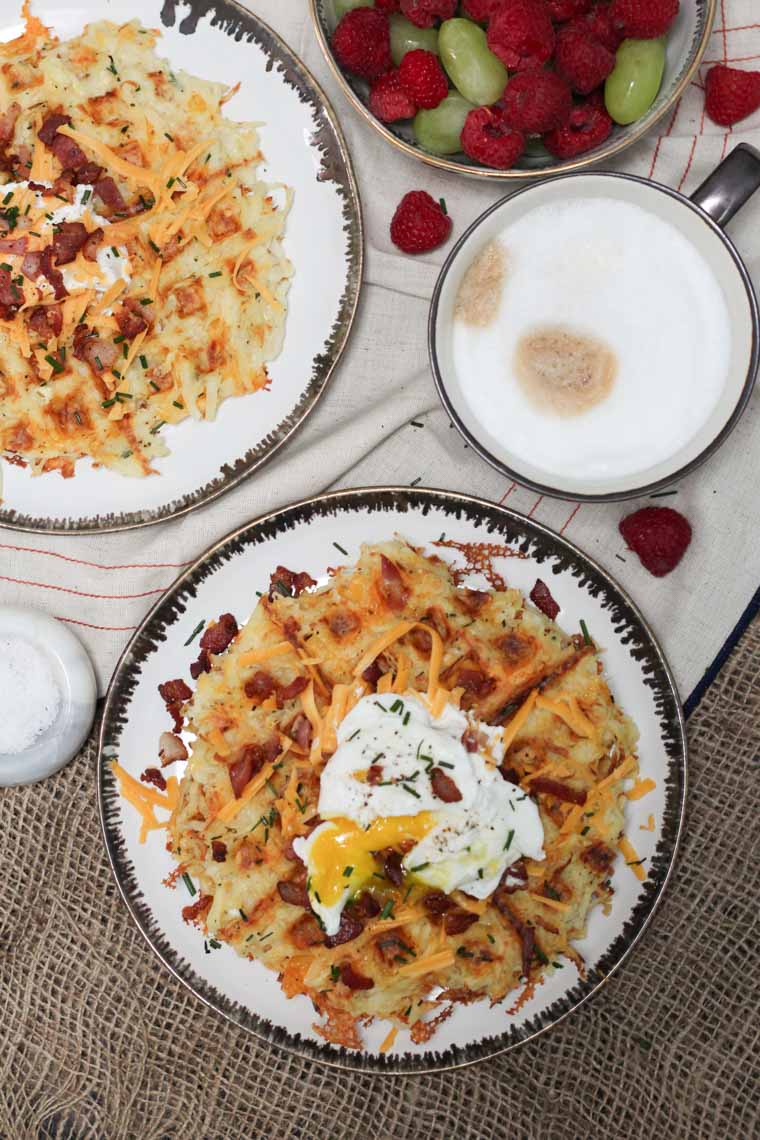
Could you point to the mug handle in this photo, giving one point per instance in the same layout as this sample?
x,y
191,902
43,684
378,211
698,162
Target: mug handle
x,y
736,179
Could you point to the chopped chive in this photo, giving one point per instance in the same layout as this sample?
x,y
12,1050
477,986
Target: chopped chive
x,y
153,245
146,300
144,361
551,893
124,396
116,373
170,183
443,205
126,454
214,944
99,363
168,136
348,872
444,764
387,911
585,830
491,938
407,715
155,386
54,364
86,197
208,156
195,632
242,914
334,972
189,883
415,423
541,956
558,965
4,265
158,427
112,66
115,251
584,630
125,350
119,339
411,791
420,866
216,273
510,837
463,952
354,734
7,197
176,404
340,548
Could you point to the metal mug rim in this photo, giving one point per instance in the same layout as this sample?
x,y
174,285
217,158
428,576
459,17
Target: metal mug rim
x,y
646,488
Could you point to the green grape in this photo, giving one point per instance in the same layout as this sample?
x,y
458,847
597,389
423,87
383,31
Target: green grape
x,y
343,6
631,88
405,37
474,70
439,129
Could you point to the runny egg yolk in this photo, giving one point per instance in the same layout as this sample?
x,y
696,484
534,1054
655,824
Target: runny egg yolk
x,y
341,857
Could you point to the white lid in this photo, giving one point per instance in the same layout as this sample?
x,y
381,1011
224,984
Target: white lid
x,y
75,678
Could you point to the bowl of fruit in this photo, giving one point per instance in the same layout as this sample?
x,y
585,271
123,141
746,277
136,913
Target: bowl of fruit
x,y
513,88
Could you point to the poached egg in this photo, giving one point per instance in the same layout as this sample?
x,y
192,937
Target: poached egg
x,y
402,778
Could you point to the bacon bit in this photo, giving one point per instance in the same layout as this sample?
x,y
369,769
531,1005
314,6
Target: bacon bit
x,y
190,299
290,691
367,905
109,193
457,921
374,774
50,124
15,246
250,760
196,912
170,748
353,979
300,731
372,673
69,238
293,892
343,622
50,273
219,635
475,681
557,789
444,787
153,776
87,174
479,558
525,932
472,739
131,320
391,586
91,246
11,296
517,871
306,932
436,902
173,692
260,686
289,583
46,321
392,865
350,928
201,665
541,597
8,122
218,850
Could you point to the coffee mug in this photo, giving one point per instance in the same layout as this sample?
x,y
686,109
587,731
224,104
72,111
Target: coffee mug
x,y
700,220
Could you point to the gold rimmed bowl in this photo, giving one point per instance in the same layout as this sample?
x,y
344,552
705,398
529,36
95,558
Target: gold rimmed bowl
x,y
686,44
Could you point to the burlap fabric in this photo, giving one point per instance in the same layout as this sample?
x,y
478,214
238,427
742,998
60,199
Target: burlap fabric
x,y
98,1040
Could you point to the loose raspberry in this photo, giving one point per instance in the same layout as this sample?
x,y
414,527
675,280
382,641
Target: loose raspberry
x,y
361,43
581,60
536,101
562,10
419,223
731,94
489,138
424,13
659,536
522,35
388,101
587,127
599,24
644,19
423,78
481,10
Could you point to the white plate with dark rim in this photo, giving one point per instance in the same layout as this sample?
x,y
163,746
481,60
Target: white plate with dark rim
x,y
304,147
311,536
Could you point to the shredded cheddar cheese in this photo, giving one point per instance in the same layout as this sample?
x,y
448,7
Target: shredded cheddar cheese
x,y
429,965
629,853
641,788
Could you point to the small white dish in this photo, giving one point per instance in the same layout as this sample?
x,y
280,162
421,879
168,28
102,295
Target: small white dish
x,y
75,679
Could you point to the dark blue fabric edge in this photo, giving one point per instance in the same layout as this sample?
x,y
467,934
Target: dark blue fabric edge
x,y
725,652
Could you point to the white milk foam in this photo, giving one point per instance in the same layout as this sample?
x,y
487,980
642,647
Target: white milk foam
x,y
612,270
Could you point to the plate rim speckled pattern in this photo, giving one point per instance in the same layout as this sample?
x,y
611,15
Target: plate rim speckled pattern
x,y
335,167
512,527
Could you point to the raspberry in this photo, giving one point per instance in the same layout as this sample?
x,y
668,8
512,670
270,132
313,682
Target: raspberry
x,y
481,10
521,35
659,536
587,127
582,60
561,10
361,43
599,24
422,78
388,101
644,19
419,223
424,13
536,101
731,94
542,599
488,137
